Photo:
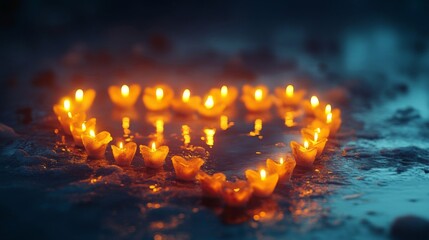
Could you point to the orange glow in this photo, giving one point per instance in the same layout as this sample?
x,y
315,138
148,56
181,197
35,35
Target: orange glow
x,y
263,174
121,145
306,144
83,127
159,93
125,122
92,133
289,91
316,136
125,91
258,94
186,95
210,132
79,95
153,147
314,101
159,125
317,130
281,160
328,108
209,103
67,105
236,189
224,91
224,122
186,130
329,118
289,122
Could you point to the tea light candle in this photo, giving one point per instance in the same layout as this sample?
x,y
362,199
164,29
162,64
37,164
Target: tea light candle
x,y
186,170
124,96
333,120
303,154
95,144
236,194
79,127
83,99
284,168
64,114
288,96
187,104
124,154
263,184
256,99
211,108
158,98
154,157
211,186
316,142
225,94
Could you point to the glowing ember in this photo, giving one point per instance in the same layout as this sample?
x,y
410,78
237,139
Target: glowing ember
x,y
125,91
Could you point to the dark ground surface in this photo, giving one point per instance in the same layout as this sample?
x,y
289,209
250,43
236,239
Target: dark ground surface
x,y
375,171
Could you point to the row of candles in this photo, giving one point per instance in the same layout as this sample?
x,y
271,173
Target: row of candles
x,y
261,183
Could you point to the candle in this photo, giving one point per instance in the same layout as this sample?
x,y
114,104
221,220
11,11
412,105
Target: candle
x,y
154,157
225,94
256,99
263,184
124,154
95,144
187,104
321,129
210,132
64,114
316,142
236,194
211,186
210,108
303,154
284,168
83,99
158,98
288,96
332,122
186,170
312,107
79,127
124,96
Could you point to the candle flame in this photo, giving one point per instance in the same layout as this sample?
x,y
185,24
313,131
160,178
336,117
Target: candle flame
x,y
306,144
329,118
209,102
328,108
83,127
69,114
153,147
92,133
186,95
317,130
314,101
316,136
79,95
121,145
263,174
224,91
258,94
289,91
236,189
281,160
125,91
67,105
159,93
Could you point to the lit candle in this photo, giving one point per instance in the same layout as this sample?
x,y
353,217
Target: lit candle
x,y
84,99
186,170
124,96
316,142
321,130
284,168
263,184
158,98
64,114
333,120
124,154
211,186
288,96
187,104
186,130
79,127
225,94
211,108
236,194
303,154
95,144
256,99
314,101
210,132
154,157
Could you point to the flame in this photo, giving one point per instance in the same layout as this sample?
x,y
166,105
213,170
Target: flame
x,y
258,94
153,147
314,101
328,109
224,91
209,102
67,105
83,127
316,136
289,91
121,145
329,118
125,91
236,189
159,125
210,132
263,174
92,133
69,114
317,130
125,122
186,95
306,144
281,160
289,122
78,95
159,93
258,125
224,122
